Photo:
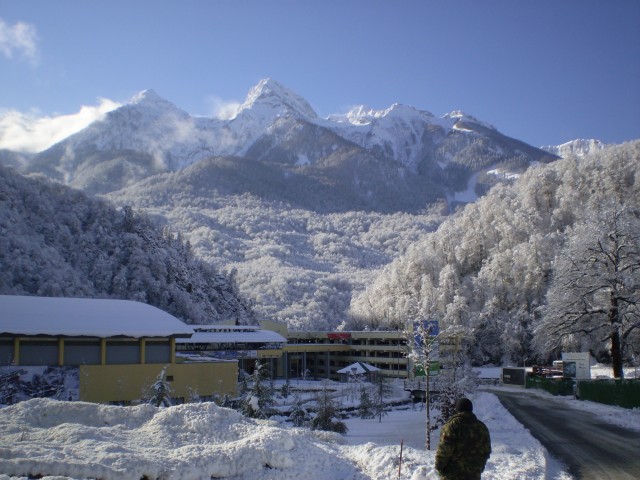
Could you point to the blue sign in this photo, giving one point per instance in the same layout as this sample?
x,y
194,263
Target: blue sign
x,y
425,328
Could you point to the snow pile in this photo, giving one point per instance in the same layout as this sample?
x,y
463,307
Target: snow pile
x,y
76,440
83,440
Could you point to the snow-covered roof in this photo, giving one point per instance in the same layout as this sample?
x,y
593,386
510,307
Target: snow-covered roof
x,y
359,368
235,336
89,317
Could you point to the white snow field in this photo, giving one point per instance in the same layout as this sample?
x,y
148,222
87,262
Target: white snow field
x,y
75,440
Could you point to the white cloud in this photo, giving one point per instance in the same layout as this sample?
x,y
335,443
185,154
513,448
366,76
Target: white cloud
x,y
20,39
222,109
30,132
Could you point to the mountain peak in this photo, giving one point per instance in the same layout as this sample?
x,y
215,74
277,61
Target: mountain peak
x,y
460,116
363,115
149,99
148,95
272,95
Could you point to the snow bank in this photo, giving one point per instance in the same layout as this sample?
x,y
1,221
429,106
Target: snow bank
x,y
76,440
82,440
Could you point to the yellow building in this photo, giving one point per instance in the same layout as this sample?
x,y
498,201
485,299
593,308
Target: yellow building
x,y
115,348
323,354
244,343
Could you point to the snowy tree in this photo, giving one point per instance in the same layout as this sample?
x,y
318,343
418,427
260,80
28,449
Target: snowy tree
x,y
298,414
160,391
258,400
366,407
326,417
382,390
285,390
422,342
595,293
456,378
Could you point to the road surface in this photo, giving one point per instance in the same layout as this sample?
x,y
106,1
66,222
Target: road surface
x,y
590,448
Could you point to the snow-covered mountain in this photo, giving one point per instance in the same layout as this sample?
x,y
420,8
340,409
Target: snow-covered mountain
x,y
303,209
411,151
579,147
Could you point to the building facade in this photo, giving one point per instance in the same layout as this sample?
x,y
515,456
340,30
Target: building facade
x,y
323,354
100,350
113,351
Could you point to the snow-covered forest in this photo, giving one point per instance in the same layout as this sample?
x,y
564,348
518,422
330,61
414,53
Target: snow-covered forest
x,y
296,266
503,270
551,261
59,242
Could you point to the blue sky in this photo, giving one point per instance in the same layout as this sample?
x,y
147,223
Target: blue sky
x,y
544,71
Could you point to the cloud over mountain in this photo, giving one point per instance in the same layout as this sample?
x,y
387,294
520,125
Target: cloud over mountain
x,y
32,133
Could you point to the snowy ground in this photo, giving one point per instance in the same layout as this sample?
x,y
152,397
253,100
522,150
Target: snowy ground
x,y
74,440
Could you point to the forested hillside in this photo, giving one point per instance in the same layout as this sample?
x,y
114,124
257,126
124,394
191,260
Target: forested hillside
x,y
296,266
305,209
552,260
59,242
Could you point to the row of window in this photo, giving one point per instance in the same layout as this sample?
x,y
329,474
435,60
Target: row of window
x,y
78,352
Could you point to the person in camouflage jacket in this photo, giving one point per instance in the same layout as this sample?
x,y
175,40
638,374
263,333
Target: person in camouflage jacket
x,y
465,445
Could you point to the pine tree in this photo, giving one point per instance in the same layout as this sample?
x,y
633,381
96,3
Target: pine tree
x,y
366,408
326,414
161,391
258,401
298,414
285,390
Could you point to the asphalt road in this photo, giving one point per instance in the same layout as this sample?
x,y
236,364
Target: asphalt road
x,y
590,448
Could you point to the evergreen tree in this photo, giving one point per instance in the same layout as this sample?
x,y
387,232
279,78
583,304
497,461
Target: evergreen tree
x,y
366,408
285,390
161,391
326,414
298,414
258,401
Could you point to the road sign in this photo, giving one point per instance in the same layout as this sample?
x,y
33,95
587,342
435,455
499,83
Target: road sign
x,y
425,328
434,369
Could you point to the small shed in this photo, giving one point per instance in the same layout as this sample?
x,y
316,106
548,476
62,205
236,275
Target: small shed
x,y
369,372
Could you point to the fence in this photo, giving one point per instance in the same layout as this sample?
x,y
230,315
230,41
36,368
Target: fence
x,y
624,393
555,386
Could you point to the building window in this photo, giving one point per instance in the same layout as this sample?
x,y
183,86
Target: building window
x,y
6,352
157,352
122,352
78,352
39,353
